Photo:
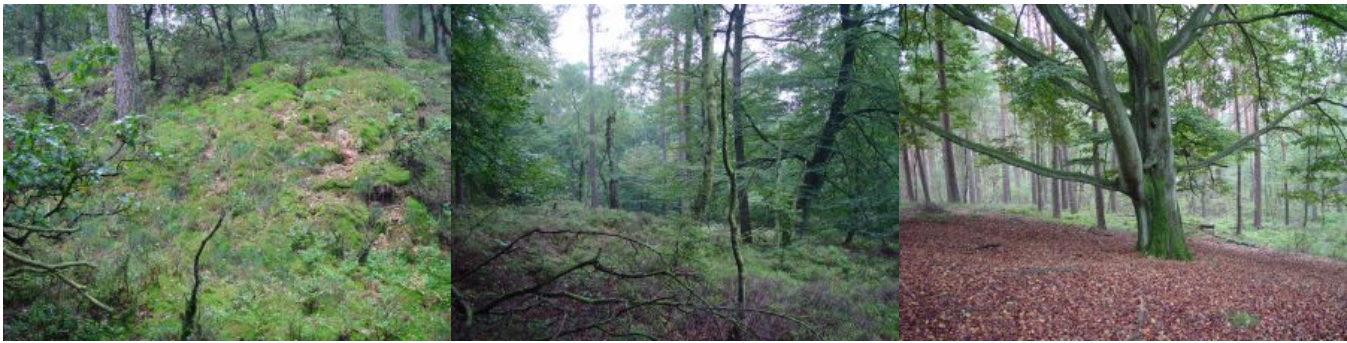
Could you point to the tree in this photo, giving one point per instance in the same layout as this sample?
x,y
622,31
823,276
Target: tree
x,y
591,166
946,148
392,28
1139,124
225,50
124,73
44,72
816,165
740,159
257,31
149,45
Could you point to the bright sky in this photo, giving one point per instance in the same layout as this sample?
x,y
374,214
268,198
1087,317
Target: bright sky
x,y
611,30
614,33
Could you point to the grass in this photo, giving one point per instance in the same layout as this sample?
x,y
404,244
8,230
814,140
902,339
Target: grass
x,y
287,265
1242,320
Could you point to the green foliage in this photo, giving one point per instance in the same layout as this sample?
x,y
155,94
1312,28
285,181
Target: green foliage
x,y
318,156
1242,320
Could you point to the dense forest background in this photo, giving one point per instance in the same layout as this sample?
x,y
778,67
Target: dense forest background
x,y
226,172
702,173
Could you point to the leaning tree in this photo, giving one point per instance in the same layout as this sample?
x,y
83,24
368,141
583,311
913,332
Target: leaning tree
x,y
1138,117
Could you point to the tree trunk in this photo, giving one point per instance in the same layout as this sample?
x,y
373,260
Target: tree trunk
x,y
921,171
43,71
1036,181
946,148
225,64
909,185
124,73
1256,190
149,45
392,28
817,164
1005,168
1239,170
737,85
592,173
1098,172
420,26
704,191
438,25
257,30
1056,184
612,161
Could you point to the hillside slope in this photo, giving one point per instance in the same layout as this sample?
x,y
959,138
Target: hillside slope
x,y
323,238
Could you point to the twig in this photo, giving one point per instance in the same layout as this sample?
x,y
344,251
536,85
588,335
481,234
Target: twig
x,y
189,318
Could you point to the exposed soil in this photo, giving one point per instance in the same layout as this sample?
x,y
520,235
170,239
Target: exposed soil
x,y
966,277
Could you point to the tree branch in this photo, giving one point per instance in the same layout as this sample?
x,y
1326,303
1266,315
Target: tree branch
x,y
1308,12
1024,52
1006,157
1188,33
1273,125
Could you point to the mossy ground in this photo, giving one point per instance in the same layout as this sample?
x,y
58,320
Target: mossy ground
x,y
294,260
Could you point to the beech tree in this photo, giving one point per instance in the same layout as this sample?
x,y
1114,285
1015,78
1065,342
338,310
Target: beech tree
x,y
1138,118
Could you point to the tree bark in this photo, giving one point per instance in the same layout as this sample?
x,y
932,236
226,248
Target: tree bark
x,y
225,64
737,85
910,185
612,161
1098,172
921,170
1056,184
1005,136
149,45
704,191
815,167
124,72
1256,187
392,28
257,31
1239,168
946,148
43,71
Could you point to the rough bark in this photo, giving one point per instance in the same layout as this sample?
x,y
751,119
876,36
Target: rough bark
x,y
124,72
817,163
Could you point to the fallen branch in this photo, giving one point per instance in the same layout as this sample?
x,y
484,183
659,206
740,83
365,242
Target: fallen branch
x,y
189,318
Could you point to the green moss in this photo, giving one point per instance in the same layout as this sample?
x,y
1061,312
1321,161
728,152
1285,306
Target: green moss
x,y
1241,319
317,157
270,92
261,69
421,221
381,172
371,134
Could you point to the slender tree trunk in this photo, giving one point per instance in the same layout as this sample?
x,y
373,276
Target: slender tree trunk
x,y
737,85
420,26
43,71
684,87
612,160
149,45
736,19
1005,168
1056,184
592,171
921,170
910,185
1256,192
704,191
814,168
947,148
1098,172
225,63
257,30
1239,170
1037,182
124,72
233,39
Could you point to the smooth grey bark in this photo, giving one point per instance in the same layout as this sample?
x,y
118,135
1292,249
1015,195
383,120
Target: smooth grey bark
x,y
392,28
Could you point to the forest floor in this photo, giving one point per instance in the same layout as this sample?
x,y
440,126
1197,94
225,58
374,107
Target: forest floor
x,y
998,277
815,289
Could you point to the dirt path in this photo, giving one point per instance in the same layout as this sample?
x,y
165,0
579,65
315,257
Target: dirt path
x,y
993,277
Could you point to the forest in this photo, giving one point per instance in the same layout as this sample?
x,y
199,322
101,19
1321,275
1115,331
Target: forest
x,y
1121,172
226,172
675,172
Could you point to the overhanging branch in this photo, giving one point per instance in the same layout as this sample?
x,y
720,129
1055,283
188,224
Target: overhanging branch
x,y
1004,156
1273,125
